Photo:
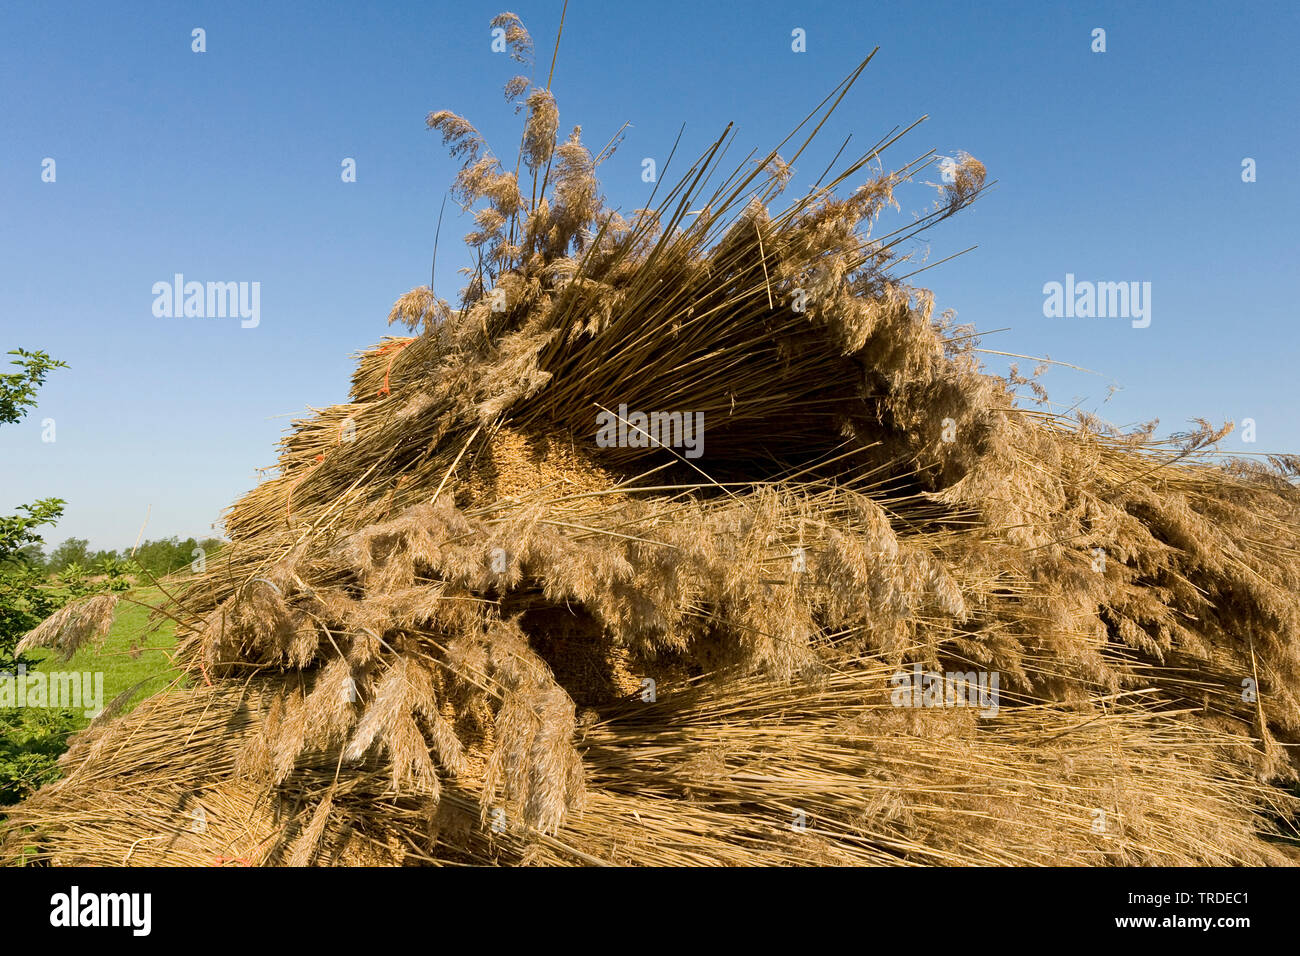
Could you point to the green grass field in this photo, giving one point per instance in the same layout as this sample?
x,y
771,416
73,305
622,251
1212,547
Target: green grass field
x,y
134,663
132,656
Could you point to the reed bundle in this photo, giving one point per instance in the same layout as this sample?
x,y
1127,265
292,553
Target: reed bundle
x,y
455,629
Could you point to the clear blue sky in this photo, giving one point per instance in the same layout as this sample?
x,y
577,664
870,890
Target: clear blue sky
x,y
226,166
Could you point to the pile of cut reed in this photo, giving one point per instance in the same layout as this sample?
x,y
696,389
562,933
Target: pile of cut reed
x,y
455,628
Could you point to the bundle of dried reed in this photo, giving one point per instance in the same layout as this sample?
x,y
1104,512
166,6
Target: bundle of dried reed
x,y
474,633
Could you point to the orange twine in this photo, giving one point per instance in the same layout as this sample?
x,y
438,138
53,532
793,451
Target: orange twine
x,y
395,347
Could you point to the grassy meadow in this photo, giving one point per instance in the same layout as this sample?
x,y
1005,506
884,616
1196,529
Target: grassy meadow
x,y
133,656
135,663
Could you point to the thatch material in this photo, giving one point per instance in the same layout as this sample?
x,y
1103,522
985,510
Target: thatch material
x,y
720,773
432,635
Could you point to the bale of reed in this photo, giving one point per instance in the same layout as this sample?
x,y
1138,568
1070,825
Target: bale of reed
x,y
455,628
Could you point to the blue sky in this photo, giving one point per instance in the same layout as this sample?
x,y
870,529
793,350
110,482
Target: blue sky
x,y
225,166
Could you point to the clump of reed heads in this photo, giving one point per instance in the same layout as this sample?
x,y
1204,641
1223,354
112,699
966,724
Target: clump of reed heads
x,y
77,623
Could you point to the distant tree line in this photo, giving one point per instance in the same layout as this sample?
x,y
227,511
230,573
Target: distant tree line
x,y
161,557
